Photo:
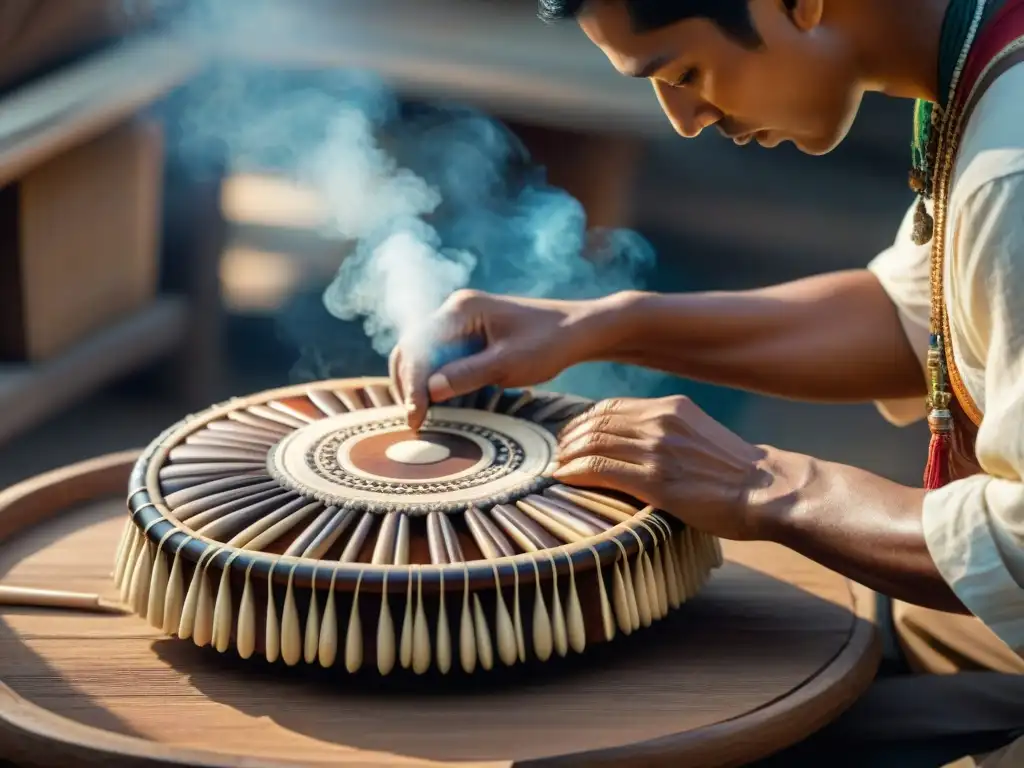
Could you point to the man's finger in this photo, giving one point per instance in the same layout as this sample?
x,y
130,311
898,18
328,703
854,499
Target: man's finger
x,y
609,424
601,472
394,366
609,446
604,409
413,374
469,374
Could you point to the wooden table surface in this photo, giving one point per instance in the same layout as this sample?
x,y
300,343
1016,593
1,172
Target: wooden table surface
x,y
771,650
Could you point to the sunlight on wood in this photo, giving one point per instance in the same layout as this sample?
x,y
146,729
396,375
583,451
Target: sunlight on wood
x,y
270,201
255,281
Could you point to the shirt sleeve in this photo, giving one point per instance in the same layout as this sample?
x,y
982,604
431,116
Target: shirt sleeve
x,y
904,271
975,527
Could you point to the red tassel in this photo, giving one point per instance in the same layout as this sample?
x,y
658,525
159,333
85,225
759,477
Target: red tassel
x,y
936,471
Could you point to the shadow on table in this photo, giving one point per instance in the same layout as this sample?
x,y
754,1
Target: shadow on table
x,y
36,681
745,642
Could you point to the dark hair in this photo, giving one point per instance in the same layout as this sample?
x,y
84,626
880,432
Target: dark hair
x,y
731,16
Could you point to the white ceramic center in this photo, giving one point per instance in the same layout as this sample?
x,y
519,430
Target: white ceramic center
x,y
417,452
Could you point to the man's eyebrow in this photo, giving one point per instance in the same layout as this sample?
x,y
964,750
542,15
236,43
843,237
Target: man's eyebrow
x,y
649,68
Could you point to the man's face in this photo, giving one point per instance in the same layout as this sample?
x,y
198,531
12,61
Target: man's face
x,y
799,85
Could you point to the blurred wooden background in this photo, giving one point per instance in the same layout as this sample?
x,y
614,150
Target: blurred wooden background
x,y
232,252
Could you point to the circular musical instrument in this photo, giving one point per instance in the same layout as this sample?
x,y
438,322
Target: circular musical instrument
x,y
308,524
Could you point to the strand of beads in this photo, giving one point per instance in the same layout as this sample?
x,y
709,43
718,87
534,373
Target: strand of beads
x,y
929,125
940,419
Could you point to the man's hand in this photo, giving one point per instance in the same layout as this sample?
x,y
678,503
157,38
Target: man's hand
x,y
667,453
671,455
525,342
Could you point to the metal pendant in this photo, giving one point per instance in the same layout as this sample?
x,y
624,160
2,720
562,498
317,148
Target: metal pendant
x,y
924,224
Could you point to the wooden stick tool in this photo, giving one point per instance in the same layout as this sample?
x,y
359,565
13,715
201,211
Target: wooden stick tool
x,y
60,599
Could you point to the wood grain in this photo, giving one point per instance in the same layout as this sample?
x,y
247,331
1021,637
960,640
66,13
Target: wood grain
x,y
770,651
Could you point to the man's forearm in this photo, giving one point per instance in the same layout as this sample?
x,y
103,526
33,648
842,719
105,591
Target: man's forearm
x,y
855,523
834,338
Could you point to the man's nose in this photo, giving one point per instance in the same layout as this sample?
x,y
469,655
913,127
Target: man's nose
x,y
688,113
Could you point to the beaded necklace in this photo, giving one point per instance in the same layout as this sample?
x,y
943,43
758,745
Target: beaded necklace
x,y
959,27
934,157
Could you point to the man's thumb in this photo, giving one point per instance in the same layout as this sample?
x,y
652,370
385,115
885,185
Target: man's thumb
x,y
466,375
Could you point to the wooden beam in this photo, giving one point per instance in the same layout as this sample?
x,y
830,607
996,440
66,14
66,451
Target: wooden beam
x,y
32,393
76,103
496,56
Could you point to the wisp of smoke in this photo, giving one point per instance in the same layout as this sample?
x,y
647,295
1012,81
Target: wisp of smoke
x,y
431,199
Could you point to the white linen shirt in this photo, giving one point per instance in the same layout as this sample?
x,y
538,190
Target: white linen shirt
x,y
975,526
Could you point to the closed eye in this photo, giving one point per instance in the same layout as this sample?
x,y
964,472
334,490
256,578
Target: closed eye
x,y
689,77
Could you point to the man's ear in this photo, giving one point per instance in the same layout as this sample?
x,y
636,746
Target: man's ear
x,y
806,14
